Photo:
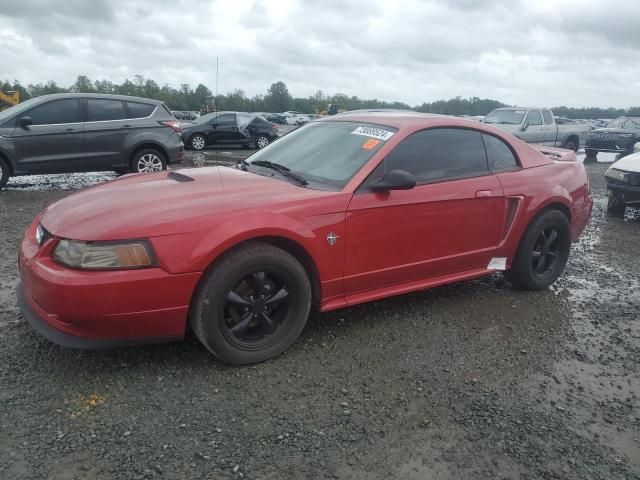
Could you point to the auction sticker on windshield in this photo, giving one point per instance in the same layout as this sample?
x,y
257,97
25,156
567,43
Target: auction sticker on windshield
x,y
378,133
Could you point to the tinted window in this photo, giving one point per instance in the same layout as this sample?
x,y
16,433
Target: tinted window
x,y
440,153
55,112
534,118
548,118
99,110
227,120
139,110
499,154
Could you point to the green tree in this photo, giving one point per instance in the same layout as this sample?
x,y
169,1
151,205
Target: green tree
x,y
278,98
83,85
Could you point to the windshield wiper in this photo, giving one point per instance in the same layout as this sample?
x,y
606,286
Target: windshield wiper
x,y
243,165
286,171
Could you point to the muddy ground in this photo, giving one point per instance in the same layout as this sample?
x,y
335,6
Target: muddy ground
x,y
472,380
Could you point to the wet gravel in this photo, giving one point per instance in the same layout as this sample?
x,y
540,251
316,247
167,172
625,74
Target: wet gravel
x,y
471,380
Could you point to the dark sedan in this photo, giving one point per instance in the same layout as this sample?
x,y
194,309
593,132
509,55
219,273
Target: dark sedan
x,y
619,136
229,128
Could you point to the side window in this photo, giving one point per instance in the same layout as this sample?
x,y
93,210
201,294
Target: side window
x,y
499,154
534,118
440,153
548,118
139,110
99,110
56,112
227,120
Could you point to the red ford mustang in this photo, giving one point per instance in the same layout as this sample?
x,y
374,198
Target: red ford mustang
x,y
352,208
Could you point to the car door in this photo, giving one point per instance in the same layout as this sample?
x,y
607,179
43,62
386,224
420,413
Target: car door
x,y
225,129
549,128
450,222
535,131
105,131
54,141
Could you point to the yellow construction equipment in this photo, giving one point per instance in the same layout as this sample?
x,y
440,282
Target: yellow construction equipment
x,y
9,99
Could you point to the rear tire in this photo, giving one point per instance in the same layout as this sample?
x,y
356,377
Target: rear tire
x,y
615,203
148,161
543,252
571,144
252,305
4,173
261,141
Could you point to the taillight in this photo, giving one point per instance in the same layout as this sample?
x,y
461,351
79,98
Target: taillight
x,y
173,124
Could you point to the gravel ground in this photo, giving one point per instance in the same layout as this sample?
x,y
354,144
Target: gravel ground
x,y
472,380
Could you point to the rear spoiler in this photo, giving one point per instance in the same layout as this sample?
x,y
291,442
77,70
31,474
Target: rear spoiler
x,y
558,154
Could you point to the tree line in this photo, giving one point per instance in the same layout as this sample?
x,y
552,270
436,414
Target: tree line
x,y
277,98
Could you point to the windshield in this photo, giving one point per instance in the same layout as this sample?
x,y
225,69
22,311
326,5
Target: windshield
x,y
326,154
511,117
9,112
624,122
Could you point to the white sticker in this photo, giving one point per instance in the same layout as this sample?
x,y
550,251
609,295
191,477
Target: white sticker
x,y
378,133
497,263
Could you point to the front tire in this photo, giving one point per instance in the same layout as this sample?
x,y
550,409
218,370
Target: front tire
x,y
543,252
261,141
591,156
148,161
252,305
4,173
198,142
615,203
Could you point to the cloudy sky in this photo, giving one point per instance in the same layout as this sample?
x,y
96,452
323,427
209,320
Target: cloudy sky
x,y
543,52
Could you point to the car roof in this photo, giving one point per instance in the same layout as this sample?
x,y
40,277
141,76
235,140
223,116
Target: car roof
x,y
523,108
104,96
396,118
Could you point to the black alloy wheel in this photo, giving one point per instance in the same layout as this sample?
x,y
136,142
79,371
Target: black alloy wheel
x,y
256,311
252,304
545,252
542,253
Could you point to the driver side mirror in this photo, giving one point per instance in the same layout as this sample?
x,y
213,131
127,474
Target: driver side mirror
x,y
525,125
25,122
394,180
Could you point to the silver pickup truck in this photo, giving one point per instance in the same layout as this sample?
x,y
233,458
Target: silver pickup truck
x,y
538,125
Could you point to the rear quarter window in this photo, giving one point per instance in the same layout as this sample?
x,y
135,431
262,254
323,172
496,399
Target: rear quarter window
x,y
139,110
499,154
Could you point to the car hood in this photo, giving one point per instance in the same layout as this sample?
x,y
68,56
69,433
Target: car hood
x,y
610,130
166,203
630,163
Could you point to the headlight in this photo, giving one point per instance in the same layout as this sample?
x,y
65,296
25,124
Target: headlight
x,y
616,174
104,255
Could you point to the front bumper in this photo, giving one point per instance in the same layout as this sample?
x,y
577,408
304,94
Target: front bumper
x,y
614,146
93,309
630,194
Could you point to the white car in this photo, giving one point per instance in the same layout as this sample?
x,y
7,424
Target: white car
x,y
295,118
623,183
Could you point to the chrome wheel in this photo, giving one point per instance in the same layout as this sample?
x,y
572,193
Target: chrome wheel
x,y
198,142
149,162
262,141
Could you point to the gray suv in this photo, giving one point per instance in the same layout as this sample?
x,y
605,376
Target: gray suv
x,y
87,133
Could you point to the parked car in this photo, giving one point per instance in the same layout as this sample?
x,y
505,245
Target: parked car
x,y
538,125
185,115
341,211
84,133
623,183
619,136
229,128
272,117
295,118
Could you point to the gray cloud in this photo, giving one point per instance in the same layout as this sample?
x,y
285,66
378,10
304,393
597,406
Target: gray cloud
x,y
547,52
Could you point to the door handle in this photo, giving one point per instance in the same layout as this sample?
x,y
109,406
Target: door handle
x,y
484,193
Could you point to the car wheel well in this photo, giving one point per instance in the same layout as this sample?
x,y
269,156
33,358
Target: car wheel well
x,y
153,146
291,247
556,206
